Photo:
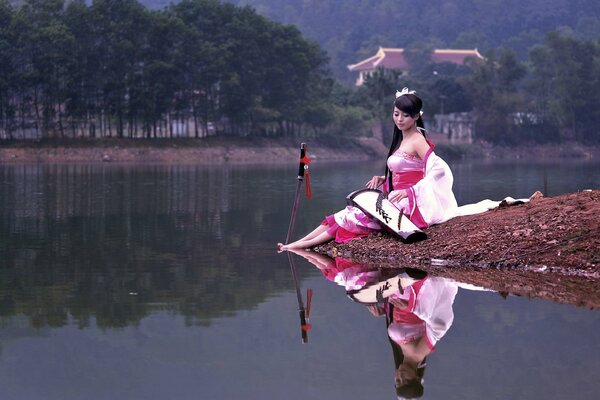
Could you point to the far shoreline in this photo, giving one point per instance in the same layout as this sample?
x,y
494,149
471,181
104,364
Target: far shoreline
x,y
229,150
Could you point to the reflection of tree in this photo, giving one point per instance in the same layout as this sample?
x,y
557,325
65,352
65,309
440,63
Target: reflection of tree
x,y
117,243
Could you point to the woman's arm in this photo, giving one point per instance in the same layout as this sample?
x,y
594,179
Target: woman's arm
x,y
375,182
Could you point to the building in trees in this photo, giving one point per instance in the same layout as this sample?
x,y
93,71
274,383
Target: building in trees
x,y
401,60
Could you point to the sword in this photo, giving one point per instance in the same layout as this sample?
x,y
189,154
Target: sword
x,y
304,161
302,311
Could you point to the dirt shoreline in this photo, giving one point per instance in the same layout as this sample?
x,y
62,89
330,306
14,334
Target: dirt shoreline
x,y
182,151
548,248
255,151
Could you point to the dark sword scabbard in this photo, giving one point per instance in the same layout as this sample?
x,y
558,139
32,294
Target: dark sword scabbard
x,y
297,194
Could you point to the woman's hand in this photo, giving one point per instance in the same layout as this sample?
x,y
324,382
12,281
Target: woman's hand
x,y
399,303
376,310
375,182
397,195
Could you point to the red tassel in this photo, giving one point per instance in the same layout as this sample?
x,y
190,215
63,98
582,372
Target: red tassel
x,y
308,190
306,160
309,294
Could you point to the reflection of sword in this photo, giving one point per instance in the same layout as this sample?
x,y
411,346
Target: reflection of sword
x,y
304,312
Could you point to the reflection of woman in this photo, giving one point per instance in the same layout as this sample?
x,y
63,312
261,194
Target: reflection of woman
x,y
409,373
417,320
346,273
418,182
417,307
418,310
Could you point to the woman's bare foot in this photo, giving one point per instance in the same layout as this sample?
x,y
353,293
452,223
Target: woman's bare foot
x,y
286,247
281,247
292,246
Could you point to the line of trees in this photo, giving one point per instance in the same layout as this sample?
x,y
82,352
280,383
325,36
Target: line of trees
x,y
117,69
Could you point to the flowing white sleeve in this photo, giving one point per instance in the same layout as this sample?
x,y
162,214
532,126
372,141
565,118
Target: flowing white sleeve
x,y
434,307
431,200
486,205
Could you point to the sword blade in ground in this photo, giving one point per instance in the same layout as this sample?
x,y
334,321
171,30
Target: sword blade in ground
x,y
294,211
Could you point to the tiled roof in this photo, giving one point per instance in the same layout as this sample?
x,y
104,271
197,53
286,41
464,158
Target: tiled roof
x,y
393,58
454,56
369,63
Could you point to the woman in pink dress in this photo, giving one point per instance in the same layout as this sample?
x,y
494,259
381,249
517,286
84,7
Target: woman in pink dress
x,y
416,180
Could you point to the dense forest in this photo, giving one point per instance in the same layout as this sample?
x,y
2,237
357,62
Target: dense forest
x,y
114,68
352,30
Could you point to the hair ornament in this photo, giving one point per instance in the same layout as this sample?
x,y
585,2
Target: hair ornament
x,y
404,91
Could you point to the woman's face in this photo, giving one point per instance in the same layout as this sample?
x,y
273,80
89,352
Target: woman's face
x,y
403,120
405,374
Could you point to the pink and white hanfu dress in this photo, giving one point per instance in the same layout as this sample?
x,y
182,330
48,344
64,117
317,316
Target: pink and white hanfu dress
x,y
429,200
428,312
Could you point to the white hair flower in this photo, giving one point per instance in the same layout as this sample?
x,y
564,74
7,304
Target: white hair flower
x,y
404,91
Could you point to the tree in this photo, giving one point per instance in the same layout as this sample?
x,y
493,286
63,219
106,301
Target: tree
x,y
7,71
120,28
493,90
565,83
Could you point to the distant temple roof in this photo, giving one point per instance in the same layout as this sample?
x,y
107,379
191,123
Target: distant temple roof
x,y
392,58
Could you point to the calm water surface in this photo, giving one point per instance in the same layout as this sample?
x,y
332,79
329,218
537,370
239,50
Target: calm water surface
x,y
162,282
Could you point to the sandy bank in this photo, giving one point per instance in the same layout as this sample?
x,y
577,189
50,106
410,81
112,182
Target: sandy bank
x,y
234,151
217,150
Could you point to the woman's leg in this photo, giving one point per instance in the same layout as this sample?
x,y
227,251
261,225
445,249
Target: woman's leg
x,y
316,232
320,261
321,238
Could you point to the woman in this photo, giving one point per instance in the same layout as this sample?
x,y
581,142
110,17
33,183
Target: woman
x,y
417,320
417,182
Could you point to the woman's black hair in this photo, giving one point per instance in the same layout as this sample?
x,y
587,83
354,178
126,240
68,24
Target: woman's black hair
x,y
413,389
410,104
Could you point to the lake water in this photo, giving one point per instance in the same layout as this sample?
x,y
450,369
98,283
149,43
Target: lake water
x,y
162,282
